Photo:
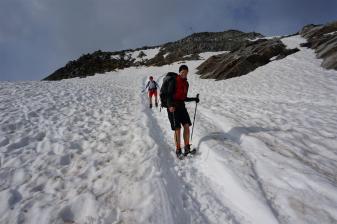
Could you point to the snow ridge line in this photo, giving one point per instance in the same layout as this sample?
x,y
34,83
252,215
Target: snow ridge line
x,y
244,140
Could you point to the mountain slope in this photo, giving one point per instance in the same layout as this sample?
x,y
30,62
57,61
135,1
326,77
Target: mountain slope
x,y
185,49
91,151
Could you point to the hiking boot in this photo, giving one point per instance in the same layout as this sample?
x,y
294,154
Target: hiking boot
x,y
187,150
150,105
179,154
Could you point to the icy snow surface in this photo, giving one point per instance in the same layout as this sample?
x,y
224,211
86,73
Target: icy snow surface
x,y
91,151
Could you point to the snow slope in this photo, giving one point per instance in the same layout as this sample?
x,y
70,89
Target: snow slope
x,y
91,151
149,54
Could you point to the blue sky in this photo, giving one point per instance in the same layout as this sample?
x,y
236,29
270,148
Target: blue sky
x,y
39,36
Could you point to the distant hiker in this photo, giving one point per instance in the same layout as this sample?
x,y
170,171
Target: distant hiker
x,y
173,96
152,89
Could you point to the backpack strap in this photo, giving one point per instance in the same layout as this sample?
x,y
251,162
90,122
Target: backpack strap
x,y
155,85
171,88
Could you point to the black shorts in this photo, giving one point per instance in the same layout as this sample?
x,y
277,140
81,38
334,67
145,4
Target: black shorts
x,y
181,117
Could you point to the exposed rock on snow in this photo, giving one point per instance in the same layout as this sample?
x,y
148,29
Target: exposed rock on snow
x,y
244,60
203,42
323,38
181,50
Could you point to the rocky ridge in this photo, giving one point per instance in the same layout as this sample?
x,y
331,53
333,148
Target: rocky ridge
x,y
322,38
247,51
245,59
182,50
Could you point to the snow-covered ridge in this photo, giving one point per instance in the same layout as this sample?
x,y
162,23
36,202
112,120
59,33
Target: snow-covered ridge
x,y
148,54
137,55
91,151
331,33
206,55
168,53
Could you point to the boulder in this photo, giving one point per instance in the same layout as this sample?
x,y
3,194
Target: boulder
x,y
244,60
323,39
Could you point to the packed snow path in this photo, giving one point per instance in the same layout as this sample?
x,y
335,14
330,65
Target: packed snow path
x,y
91,151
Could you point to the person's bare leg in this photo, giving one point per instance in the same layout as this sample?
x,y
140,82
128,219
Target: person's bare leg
x,y
186,134
150,100
177,138
156,100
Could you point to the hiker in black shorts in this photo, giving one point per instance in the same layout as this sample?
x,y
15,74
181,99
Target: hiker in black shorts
x,y
176,110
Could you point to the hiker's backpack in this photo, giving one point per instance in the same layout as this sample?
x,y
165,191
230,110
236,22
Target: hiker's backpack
x,y
164,91
152,85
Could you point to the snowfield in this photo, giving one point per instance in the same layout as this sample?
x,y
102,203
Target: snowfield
x,y
91,151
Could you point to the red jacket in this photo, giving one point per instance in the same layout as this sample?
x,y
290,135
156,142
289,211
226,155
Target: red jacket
x,y
181,89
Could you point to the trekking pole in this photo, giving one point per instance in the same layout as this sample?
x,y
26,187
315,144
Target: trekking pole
x,y
195,112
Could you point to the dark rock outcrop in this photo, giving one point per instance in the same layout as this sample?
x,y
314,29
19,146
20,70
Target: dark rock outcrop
x,y
322,38
181,50
244,59
189,47
91,64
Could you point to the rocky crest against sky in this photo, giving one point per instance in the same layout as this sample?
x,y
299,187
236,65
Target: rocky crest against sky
x,y
246,52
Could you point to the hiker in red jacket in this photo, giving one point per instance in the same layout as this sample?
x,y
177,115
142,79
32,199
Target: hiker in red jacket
x,y
177,112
